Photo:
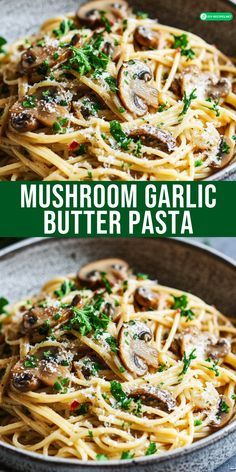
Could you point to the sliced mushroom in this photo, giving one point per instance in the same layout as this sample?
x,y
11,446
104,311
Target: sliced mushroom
x,y
225,153
112,51
224,412
91,275
28,118
48,366
90,14
155,397
37,322
155,137
205,344
146,38
135,352
89,366
146,298
37,61
207,85
134,91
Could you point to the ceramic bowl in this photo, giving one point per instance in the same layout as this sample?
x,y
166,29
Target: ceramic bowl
x,y
25,266
23,17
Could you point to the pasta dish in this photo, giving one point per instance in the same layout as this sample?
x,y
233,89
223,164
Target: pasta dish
x,y
108,364
107,93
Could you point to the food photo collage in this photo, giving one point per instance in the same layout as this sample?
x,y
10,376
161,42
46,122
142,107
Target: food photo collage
x,y
118,351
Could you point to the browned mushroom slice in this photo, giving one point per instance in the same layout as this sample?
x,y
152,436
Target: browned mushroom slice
x,y
45,367
155,397
26,115
207,85
225,154
219,350
154,137
146,298
24,379
37,322
146,38
135,352
90,14
37,61
92,275
134,91
224,413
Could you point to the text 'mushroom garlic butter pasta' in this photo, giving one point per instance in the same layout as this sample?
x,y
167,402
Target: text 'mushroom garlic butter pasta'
x,y
111,365
110,94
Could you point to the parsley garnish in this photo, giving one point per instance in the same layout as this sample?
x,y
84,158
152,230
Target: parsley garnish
x,y
120,396
187,361
3,303
187,101
181,42
113,345
89,318
3,41
198,163
181,303
61,384
127,455
111,81
119,135
101,457
224,148
106,282
66,287
141,15
59,126
213,366
105,21
88,58
30,362
142,276
161,107
83,409
152,448
197,422
224,408
30,102
214,106
64,28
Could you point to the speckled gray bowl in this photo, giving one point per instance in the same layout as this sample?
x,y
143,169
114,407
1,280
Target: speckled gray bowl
x,y
21,17
25,266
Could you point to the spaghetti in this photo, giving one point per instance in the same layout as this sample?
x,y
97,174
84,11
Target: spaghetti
x,y
111,365
109,94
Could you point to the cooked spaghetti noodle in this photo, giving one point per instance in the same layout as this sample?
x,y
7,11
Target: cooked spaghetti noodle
x,y
111,365
109,94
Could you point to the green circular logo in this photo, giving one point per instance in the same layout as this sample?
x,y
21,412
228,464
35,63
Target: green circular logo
x,y
203,16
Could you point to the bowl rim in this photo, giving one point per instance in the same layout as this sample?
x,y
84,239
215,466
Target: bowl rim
x,y
165,457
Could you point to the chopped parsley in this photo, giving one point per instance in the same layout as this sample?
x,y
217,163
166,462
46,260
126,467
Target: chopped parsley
x,y
152,449
234,137
30,102
64,28
224,148
101,457
3,42
224,407
106,282
121,109
127,455
213,366
141,15
105,21
59,126
187,361
187,101
88,58
3,303
120,396
137,151
161,107
198,163
119,135
90,433
138,407
142,276
197,422
214,106
83,409
66,287
43,69
89,318
61,384
111,81
113,345
181,303
181,42
30,362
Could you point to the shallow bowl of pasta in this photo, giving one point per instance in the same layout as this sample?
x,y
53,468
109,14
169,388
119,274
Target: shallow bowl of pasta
x,y
116,355
107,91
